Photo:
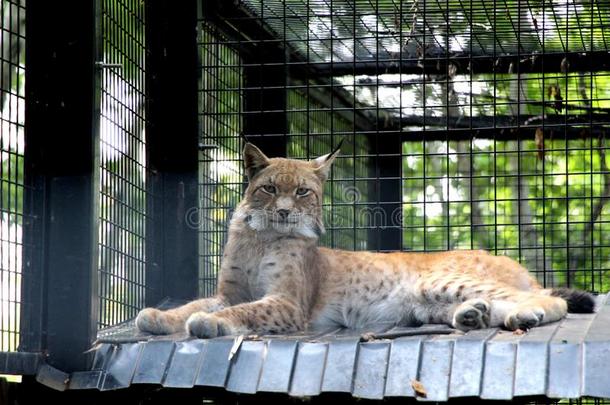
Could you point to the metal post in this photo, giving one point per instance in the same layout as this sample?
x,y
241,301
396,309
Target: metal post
x,y
61,143
172,142
265,91
386,169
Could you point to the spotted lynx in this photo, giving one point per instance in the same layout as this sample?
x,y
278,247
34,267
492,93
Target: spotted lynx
x,y
275,279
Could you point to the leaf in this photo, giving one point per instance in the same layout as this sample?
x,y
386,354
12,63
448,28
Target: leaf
x,y
565,65
539,138
554,92
253,337
419,388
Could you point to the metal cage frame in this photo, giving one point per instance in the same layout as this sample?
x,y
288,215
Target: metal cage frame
x,y
204,77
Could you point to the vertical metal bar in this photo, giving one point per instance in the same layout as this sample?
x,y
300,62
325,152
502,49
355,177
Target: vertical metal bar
x,y
591,99
424,147
331,127
9,172
446,199
172,142
495,143
32,284
60,145
388,162
545,277
568,271
473,230
518,141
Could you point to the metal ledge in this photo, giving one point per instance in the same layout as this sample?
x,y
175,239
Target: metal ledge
x,y
567,359
19,363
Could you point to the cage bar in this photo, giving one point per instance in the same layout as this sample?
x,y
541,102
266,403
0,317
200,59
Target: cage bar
x,y
172,141
465,125
60,83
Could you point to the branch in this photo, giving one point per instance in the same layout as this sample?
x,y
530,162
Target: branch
x,y
440,330
476,122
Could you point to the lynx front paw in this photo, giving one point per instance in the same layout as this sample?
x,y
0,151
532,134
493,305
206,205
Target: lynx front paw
x,y
472,314
204,325
524,318
153,321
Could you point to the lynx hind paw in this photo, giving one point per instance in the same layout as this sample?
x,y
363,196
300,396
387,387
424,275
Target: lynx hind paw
x,y
524,318
153,321
472,314
204,325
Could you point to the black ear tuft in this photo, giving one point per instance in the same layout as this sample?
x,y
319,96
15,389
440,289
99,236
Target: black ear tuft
x,y
254,160
337,148
323,163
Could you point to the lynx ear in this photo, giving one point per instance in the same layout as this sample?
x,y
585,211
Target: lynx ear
x,y
254,160
323,163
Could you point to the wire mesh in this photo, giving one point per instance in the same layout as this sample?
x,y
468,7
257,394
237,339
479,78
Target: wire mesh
x,y
220,169
122,168
477,125
12,185
312,129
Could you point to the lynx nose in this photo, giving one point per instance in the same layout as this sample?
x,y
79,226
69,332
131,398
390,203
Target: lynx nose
x,y
282,214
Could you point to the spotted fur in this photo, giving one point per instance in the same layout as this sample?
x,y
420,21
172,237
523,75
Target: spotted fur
x,y
275,279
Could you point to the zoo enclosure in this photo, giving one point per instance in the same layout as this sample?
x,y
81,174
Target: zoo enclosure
x,y
465,125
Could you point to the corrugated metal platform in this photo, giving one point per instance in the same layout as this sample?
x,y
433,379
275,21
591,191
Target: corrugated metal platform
x,y
567,359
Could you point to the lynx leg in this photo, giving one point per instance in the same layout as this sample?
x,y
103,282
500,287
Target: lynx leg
x,y
527,310
510,307
472,314
535,310
158,322
269,315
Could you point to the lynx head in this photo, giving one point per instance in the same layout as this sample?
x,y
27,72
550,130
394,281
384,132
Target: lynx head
x,y
284,195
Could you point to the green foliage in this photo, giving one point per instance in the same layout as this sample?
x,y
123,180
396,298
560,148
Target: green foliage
x,y
220,169
315,131
11,194
470,197
456,194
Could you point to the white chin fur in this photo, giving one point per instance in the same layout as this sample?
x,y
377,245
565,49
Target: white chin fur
x,y
306,232
259,222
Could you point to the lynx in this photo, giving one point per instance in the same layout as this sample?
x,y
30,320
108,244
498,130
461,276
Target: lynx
x,y
275,279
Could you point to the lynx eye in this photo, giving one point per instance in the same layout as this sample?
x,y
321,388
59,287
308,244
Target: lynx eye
x,y
301,191
269,188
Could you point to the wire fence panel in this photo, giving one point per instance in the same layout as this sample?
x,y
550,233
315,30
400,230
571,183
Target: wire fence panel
x,y
478,125
311,128
12,184
122,171
220,168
